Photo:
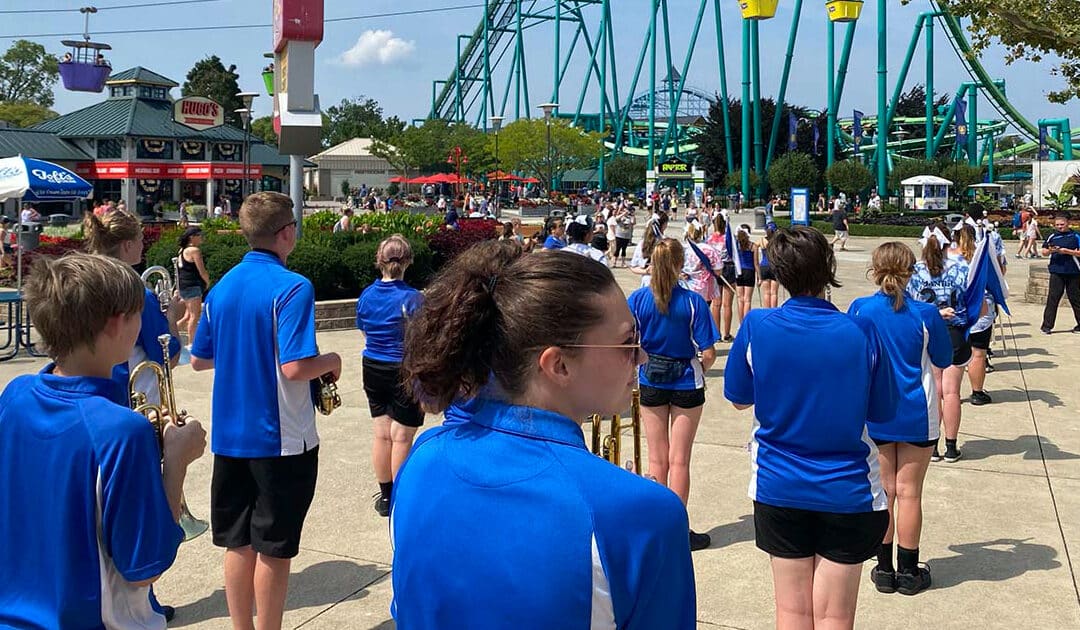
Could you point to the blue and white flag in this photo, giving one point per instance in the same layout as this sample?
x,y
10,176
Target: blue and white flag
x,y
985,276
856,130
817,135
961,125
793,131
730,244
1044,147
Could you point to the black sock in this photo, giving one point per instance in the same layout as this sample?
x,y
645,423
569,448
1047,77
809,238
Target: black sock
x,y
950,445
907,560
884,558
386,489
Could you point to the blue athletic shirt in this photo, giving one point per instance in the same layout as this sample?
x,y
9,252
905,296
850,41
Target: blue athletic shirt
x,y
381,312
915,338
746,259
554,242
1064,264
147,348
84,508
686,329
514,500
815,377
258,317
946,290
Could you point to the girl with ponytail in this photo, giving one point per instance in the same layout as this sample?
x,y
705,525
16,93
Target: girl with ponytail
x,y
519,463
745,282
918,345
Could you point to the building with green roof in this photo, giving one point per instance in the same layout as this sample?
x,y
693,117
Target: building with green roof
x,y
149,149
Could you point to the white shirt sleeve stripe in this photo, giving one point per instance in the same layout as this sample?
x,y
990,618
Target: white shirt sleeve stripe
x,y
603,609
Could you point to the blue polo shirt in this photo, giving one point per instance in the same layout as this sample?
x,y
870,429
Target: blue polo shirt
x,y
1064,264
147,348
815,377
258,317
686,329
381,312
514,498
916,339
554,242
84,508
943,291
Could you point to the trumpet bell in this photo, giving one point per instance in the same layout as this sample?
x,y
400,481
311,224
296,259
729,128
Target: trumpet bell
x,y
193,527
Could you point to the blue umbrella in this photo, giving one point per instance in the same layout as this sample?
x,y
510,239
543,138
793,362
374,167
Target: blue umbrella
x,y
38,180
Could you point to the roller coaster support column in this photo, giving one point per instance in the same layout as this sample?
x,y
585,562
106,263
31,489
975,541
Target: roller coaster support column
x,y
745,108
929,26
759,148
792,34
558,50
652,86
830,121
459,107
882,72
723,85
605,43
1062,132
486,96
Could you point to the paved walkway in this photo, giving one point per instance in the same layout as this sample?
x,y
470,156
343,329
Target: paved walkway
x,y
1000,524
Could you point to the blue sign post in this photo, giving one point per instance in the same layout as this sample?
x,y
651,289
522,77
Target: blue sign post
x,y
800,206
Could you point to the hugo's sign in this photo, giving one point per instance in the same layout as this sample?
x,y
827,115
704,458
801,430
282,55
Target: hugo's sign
x,y
198,112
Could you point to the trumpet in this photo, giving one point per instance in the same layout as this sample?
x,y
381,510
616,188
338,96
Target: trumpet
x,y
324,391
610,446
160,414
158,280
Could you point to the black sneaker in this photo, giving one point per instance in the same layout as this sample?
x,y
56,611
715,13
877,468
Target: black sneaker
x,y
952,455
1076,329
980,398
728,339
884,581
912,583
1045,331
936,456
382,504
168,612
699,541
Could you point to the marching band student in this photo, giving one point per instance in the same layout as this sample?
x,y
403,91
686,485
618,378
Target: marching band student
x,y
89,508
654,232
554,239
381,313
577,232
119,234
819,508
941,279
745,282
722,306
766,277
257,333
675,327
702,279
916,341
605,546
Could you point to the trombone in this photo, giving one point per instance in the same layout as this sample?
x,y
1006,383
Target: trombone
x,y
610,446
160,414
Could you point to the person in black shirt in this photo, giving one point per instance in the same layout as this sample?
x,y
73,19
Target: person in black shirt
x,y
840,224
1063,247
192,279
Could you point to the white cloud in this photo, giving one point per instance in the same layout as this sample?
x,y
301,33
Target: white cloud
x,y
377,47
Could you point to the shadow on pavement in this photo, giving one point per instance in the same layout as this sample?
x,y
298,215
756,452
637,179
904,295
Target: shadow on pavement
x,y
1025,445
991,561
1050,399
1011,366
1023,352
729,534
306,588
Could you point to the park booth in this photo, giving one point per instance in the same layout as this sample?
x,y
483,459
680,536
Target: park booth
x,y
758,9
844,10
993,191
926,192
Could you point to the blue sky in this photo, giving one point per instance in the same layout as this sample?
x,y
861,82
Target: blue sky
x,y
394,59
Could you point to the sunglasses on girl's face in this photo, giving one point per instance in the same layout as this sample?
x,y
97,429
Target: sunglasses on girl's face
x,y
634,347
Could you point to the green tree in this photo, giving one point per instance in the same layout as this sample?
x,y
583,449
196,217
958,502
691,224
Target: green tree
x,y
210,78
263,128
1028,30
28,73
793,170
849,176
903,169
733,180
625,171
358,118
523,147
962,175
25,113
425,148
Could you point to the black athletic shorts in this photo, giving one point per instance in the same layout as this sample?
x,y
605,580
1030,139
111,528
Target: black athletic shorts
x,y
767,273
728,272
684,398
961,348
262,502
981,339
842,538
620,246
387,396
747,278
922,444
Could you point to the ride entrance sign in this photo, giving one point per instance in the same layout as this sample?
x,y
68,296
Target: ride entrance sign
x,y
674,168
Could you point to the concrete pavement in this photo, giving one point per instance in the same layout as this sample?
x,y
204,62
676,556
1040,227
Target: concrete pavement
x,y
999,524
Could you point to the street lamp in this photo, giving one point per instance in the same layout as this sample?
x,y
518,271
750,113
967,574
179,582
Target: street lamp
x,y
549,109
496,124
247,98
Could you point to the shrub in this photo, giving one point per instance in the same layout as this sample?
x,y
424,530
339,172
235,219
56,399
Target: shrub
x,y
849,176
321,221
792,170
447,243
213,224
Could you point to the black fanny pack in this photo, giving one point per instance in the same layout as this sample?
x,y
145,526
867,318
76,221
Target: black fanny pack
x,y
662,370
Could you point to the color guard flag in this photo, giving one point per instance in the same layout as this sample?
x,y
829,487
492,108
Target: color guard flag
x,y
984,276
732,250
817,134
793,129
856,130
961,123
1044,148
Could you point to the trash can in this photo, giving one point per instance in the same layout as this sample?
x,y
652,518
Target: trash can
x,y
759,218
29,236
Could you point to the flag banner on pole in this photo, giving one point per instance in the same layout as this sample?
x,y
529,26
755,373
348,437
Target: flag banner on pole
x,y
730,246
1044,147
856,130
984,276
961,124
817,136
793,129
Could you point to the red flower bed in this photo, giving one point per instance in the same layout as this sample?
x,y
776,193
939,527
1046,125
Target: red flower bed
x,y
56,246
447,243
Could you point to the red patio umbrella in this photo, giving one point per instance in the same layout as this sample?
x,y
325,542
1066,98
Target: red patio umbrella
x,y
422,179
500,176
530,180
398,179
443,178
